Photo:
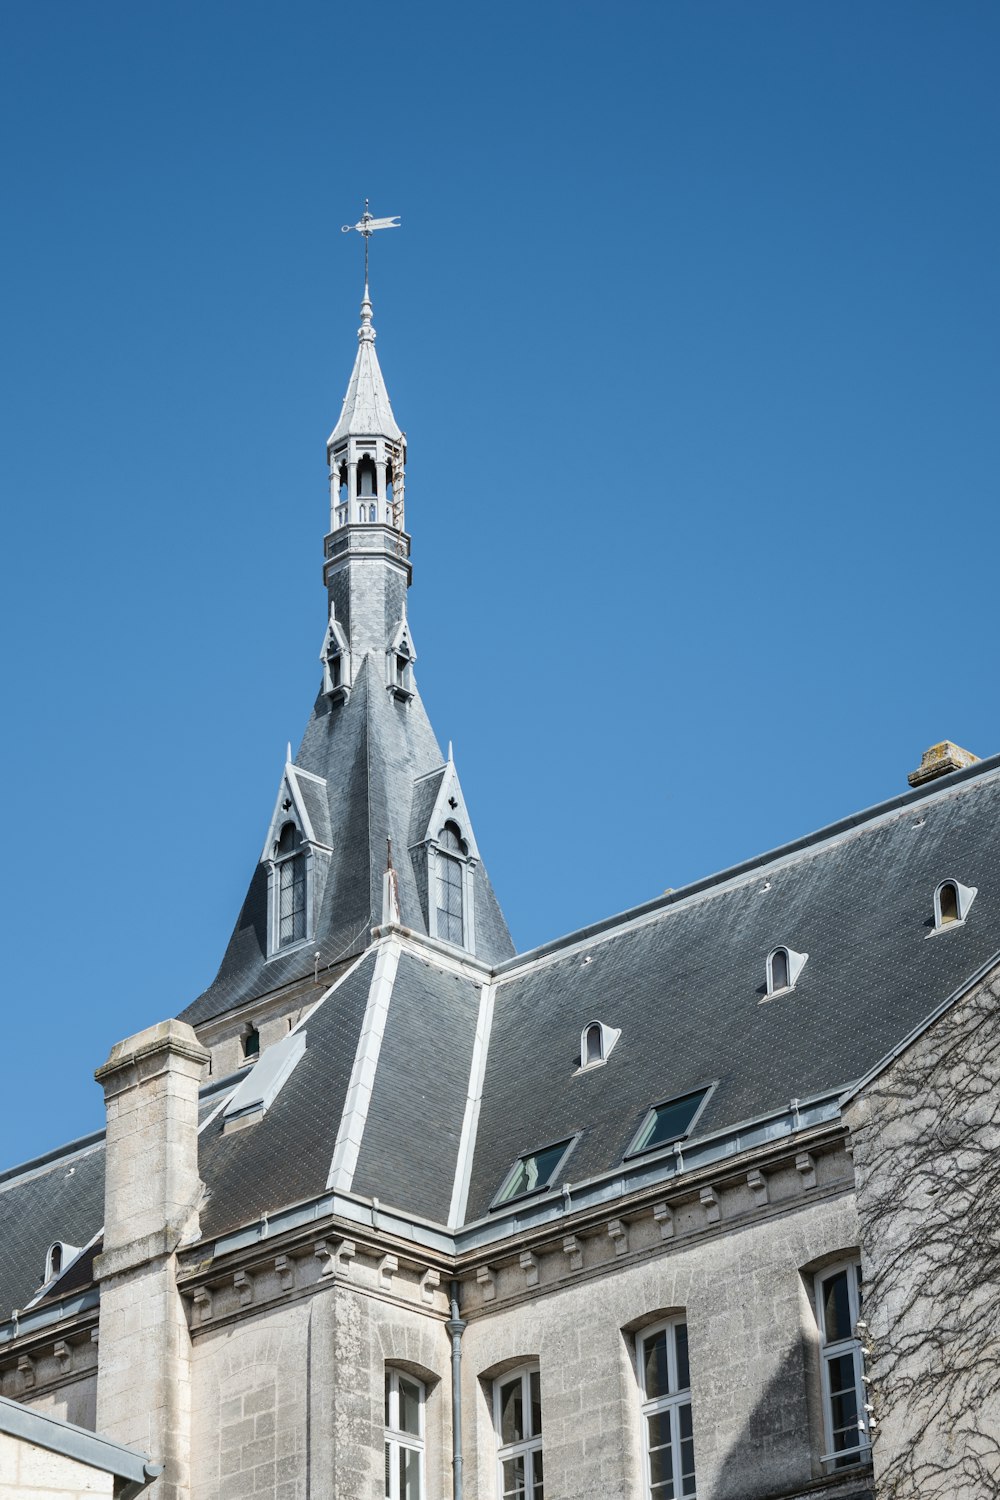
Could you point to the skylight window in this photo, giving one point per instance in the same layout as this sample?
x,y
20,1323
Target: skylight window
x,y
668,1122
533,1172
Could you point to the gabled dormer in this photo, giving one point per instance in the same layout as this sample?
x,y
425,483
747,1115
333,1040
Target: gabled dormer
x,y
445,856
399,658
335,655
296,855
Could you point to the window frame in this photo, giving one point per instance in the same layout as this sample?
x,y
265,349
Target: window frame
x,y
795,963
568,1143
608,1038
832,1349
466,863
395,1437
302,851
527,1446
675,1398
634,1149
964,897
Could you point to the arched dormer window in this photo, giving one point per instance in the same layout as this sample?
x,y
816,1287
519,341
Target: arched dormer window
x,y
290,871
952,902
596,1044
450,896
784,966
55,1261
251,1043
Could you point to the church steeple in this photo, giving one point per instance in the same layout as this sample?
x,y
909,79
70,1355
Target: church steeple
x,y
367,551
369,770
366,450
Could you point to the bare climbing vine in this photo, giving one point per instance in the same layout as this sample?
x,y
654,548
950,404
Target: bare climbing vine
x,y
927,1153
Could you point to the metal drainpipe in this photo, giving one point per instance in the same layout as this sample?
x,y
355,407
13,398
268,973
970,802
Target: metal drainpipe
x,y
456,1327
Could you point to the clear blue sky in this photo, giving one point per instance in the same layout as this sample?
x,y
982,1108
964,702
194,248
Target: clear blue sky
x,y
693,326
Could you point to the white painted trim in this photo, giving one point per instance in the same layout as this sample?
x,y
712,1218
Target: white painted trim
x,y
359,1090
470,1120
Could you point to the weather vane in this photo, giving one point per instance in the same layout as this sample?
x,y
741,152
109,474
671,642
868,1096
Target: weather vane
x,y
366,227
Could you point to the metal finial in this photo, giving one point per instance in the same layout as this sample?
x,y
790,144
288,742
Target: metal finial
x,y
366,227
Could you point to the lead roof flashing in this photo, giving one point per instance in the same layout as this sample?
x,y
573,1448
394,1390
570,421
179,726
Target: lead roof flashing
x,y
90,1448
928,792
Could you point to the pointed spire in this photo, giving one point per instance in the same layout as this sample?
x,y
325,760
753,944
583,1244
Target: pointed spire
x,y
366,411
366,333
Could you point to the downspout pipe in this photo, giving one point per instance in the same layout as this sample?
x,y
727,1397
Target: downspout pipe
x,y
456,1327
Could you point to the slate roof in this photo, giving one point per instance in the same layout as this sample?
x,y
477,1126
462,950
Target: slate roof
x,y
372,752
685,981
683,977
58,1197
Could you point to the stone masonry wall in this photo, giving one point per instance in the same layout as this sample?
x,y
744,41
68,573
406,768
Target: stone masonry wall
x,y
28,1472
753,1348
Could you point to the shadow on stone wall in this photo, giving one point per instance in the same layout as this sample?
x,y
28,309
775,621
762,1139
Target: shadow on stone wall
x,y
775,1454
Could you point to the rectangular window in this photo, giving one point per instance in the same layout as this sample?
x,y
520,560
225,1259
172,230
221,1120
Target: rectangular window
x,y
517,1413
291,900
404,1437
532,1172
838,1308
668,1434
668,1122
450,899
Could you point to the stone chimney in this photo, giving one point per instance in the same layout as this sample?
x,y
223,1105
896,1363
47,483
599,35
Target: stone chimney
x,y
940,760
151,1197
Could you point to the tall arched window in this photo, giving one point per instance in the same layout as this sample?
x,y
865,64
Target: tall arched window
x,y
665,1387
517,1414
372,513
838,1308
451,884
779,969
594,1051
404,1437
291,886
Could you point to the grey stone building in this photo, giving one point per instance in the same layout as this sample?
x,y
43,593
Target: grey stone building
x,y
697,1200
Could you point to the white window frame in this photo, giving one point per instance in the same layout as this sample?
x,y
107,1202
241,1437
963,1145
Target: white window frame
x,y
672,1402
396,1438
609,1036
796,963
528,1445
965,895
829,1350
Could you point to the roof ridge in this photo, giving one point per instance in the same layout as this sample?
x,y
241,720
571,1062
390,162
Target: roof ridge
x,y
830,831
